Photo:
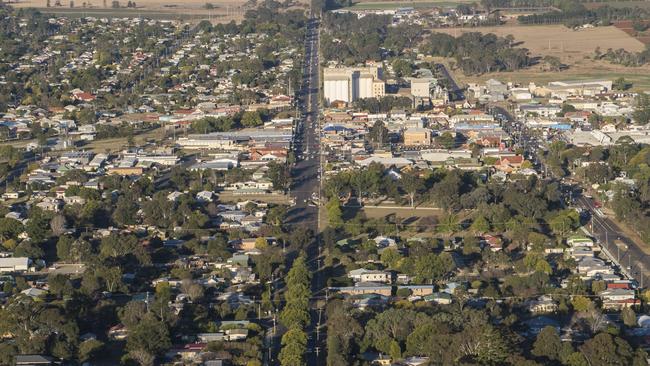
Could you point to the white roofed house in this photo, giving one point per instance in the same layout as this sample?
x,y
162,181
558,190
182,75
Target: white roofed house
x,y
14,264
205,196
383,242
366,275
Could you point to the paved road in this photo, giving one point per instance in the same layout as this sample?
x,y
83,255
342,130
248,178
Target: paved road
x,y
306,183
632,260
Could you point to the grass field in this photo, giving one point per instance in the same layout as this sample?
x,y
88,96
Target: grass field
x,y
386,5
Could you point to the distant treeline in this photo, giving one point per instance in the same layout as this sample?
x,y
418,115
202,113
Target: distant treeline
x,y
570,12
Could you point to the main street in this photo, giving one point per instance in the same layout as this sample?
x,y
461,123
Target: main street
x,y
306,176
305,173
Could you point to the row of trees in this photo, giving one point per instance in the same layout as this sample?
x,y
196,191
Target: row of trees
x,y
295,315
624,57
246,119
573,13
383,104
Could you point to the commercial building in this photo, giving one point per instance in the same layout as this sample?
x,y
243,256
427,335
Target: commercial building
x,y
417,136
347,84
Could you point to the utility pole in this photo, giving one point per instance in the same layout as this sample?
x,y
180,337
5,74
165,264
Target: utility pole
x,y
320,310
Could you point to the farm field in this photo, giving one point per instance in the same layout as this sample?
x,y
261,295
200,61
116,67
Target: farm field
x,y
223,11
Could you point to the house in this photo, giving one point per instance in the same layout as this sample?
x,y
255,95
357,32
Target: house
x,y
239,259
174,196
441,298
83,96
383,242
243,244
365,275
34,292
210,337
11,195
418,290
579,241
416,361
187,352
618,298
118,332
494,242
362,288
14,264
542,305
205,196
236,334
509,164
591,267
34,360
374,301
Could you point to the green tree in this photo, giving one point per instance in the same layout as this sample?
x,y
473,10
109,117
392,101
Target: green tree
x,y
480,225
251,119
446,140
334,212
629,317
605,349
581,303
294,347
150,335
548,344
10,228
125,211
412,185
89,349
64,247
280,175
378,133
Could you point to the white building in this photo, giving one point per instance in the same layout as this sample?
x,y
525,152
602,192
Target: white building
x,y
14,264
348,84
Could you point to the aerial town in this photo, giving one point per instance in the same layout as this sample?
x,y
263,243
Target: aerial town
x,y
336,183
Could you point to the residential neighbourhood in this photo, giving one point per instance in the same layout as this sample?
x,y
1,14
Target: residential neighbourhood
x,y
307,187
